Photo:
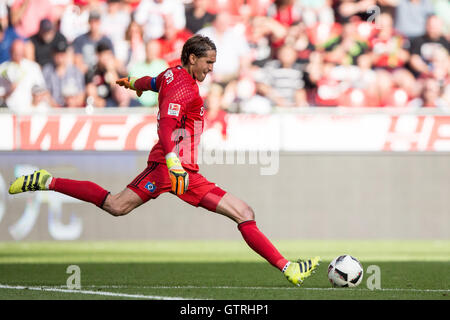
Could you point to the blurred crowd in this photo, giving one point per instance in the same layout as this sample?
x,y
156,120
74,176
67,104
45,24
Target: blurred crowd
x,y
271,53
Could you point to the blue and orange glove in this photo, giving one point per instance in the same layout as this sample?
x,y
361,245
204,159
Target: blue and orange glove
x,y
128,83
179,178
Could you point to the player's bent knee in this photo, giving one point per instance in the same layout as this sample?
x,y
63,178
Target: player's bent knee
x,y
122,209
247,214
118,212
116,208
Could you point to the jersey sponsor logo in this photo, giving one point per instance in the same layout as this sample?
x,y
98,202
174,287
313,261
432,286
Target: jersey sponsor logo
x,y
150,186
174,109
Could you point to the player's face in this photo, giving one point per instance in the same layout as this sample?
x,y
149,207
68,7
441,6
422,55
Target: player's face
x,y
203,65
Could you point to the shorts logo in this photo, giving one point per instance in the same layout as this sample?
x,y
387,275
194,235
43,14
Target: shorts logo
x,y
150,186
174,109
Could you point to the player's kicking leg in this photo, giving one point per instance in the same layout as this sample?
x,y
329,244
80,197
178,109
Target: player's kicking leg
x,y
243,215
117,205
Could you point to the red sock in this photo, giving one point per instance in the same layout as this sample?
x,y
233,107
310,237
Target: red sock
x,y
260,244
83,190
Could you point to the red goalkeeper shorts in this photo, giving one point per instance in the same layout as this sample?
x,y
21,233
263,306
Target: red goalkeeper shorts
x,y
154,181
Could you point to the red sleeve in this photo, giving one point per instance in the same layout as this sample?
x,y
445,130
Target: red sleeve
x,y
146,83
170,113
166,128
174,99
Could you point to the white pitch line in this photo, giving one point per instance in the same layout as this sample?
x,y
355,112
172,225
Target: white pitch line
x,y
110,294
262,288
297,288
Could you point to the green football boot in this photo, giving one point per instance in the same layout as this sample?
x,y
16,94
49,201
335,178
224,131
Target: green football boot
x,y
298,271
32,182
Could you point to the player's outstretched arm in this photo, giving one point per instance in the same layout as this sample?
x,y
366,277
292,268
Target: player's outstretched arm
x,y
128,82
139,84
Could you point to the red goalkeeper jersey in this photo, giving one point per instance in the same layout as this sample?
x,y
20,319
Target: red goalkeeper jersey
x,y
180,116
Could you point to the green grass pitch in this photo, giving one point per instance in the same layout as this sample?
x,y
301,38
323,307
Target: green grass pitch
x,y
216,270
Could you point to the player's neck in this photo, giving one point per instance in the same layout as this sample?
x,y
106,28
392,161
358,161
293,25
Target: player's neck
x,y
189,70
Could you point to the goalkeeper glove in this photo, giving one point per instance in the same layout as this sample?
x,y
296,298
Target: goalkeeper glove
x,y
179,178
128,83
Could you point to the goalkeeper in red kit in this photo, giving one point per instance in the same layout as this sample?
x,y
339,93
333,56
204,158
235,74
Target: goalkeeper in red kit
x,y
171,165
